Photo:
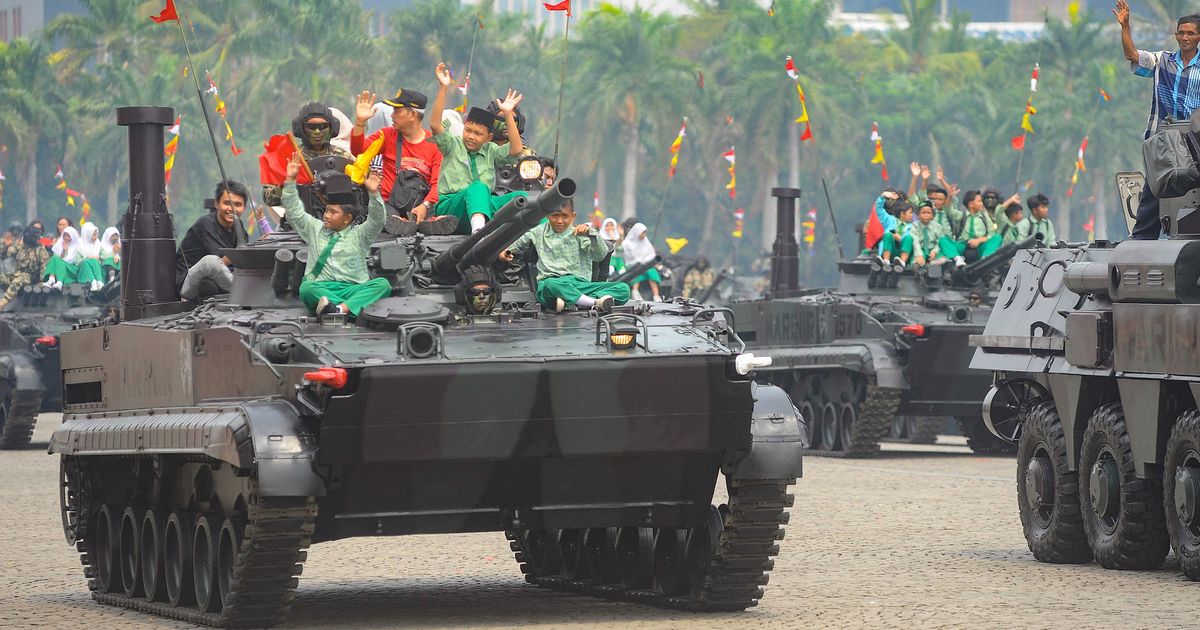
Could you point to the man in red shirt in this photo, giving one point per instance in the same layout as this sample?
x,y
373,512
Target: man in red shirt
x,y
410,182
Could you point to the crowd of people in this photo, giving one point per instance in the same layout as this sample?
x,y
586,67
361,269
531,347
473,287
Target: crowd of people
x,y
82,256
933,226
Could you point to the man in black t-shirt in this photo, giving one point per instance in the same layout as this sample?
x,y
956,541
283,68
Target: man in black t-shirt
x,y
200,270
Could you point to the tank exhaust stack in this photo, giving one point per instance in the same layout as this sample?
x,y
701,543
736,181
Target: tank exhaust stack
x,y
785,253
147,231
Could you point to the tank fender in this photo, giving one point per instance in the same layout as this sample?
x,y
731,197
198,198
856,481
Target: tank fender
x,y
888,371
285,450
19,371
778,438
870,358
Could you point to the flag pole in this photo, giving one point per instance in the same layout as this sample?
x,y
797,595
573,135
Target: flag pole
x,y
662,204
562,82
471,59
200,95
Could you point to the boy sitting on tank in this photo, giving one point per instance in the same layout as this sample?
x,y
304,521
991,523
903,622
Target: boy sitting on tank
x,y
336,278
469,162
564,267
978,238
1038,221
1014,214
926,232
898,243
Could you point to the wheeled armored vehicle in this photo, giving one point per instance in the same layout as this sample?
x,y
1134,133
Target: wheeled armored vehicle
x,y
205,447
879,349
1093,348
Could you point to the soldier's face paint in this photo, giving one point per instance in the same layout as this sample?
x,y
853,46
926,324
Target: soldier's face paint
x,y
481,298
317,132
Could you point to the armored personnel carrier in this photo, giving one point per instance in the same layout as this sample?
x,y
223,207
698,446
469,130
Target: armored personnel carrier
x,y
205,447
877,347
1094,352
29,356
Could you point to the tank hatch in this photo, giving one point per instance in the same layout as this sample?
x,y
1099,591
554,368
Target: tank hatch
x,y
391,313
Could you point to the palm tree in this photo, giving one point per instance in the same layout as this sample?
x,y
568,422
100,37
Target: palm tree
x,y
633,77
34,116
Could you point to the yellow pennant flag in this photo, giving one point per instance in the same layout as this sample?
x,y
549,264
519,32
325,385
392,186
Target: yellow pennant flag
x,y
803,106
676,244
1026,120
358,170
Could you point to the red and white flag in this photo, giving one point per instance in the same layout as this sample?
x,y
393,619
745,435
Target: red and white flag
x,y
565,5
790,67
1033,79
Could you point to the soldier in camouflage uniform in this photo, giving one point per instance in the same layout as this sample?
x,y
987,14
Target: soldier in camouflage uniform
x,y
315,126
30,259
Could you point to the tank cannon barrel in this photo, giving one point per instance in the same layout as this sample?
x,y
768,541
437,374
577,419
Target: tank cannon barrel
x,y
147,232
448,260
536,209
1161,272
634,271
987,264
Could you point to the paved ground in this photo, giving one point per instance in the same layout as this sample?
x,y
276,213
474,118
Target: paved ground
x,y
919,537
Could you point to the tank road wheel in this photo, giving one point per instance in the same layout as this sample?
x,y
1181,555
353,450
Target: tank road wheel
x,y
981,441
599,547
571,550
177,558
635,550
923,430
1123,515
204,565
830,428
670,569
151,553
1181,490
701,545
542,549
812,424
229,542
847,417
103,549
129,551
899,430
1048,493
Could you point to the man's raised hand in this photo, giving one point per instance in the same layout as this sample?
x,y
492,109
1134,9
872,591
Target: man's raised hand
x,y
443,75
364,107
1122,13
511,99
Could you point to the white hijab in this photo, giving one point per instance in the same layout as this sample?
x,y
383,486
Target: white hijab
x,y
72,250
89,244
615,235
106,248
637,249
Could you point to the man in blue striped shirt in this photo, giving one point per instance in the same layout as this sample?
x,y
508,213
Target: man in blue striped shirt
x,y
1176,78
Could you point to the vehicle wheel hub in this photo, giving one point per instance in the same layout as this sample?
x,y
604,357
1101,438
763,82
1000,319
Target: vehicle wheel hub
x,y
1187,494
1105,487
1039,486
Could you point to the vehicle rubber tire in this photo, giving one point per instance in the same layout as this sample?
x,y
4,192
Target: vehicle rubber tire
x,y
1057,535
1183,447
1137,537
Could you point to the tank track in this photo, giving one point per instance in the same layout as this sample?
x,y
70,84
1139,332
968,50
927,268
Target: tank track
x,y
275,538
752,525
927,430
20,419
874,422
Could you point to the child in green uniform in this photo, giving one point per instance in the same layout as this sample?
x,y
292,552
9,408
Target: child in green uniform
x,y
1013,215
469,162
1038,221
926,233
898,244
336,278
110,253
977,233
88,256
564,266
63,266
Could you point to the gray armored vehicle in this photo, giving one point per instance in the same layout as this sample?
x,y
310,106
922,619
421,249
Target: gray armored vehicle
x,y
879,349
29,361
1094,352
205,447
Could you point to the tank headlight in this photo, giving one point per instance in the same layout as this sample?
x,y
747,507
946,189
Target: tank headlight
x,y
622,337
530,168
746,362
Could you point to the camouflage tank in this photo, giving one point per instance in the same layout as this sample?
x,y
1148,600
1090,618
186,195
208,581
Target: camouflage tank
x,y
1093,350
879,349
29,355
205,447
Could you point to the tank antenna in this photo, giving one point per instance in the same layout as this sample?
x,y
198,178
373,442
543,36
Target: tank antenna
x,y
833,219
200,95
562,83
